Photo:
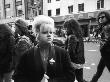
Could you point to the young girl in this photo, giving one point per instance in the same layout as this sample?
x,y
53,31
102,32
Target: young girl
x,y
75,47
45,62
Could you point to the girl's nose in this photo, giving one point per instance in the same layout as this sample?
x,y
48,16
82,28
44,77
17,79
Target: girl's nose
x,y
48,34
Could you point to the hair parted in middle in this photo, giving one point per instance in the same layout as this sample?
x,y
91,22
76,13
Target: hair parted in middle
x,y
73,25
40,20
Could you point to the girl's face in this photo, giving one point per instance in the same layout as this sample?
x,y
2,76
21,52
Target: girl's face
x,y
102,19
46,33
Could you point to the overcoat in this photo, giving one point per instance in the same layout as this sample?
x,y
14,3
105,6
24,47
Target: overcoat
x,y
30,67
105,53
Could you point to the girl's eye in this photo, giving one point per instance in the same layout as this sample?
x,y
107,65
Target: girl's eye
x,y
51,32
47,32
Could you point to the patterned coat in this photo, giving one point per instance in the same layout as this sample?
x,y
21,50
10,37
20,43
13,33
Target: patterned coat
x,y
75,49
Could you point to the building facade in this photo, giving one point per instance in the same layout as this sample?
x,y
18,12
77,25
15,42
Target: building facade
x,y
85,11
10,10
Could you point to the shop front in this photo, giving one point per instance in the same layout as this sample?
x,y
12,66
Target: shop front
x,y
87,21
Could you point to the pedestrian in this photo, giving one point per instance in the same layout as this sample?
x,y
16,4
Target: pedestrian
x,y
75,47
21,29
103,19
45,62
23,39
6,52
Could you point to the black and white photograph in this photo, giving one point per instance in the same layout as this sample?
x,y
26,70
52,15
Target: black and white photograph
x,y
54,41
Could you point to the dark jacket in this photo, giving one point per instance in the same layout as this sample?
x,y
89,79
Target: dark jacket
x,y
6,55
30,68
6,48
105,52
75,49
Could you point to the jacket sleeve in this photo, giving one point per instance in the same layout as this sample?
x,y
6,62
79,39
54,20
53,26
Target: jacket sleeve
x,y
105,47
67,67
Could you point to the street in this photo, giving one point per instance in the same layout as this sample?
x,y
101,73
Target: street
x,y
92,56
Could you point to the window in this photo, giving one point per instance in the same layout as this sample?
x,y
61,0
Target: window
x,y
58,11
49,1
81,7
7,9
7,13
49,12
19,11
0,15
100,4
70,9
40,12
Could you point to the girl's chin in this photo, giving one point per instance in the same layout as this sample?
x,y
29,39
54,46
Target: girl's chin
x,y
46,42
49,41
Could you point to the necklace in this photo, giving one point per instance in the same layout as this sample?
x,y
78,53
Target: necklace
x,y
44,54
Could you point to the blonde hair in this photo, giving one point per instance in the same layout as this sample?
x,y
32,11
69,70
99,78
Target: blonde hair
x,y
39,20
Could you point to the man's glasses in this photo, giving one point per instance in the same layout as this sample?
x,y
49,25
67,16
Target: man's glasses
x,y
102,17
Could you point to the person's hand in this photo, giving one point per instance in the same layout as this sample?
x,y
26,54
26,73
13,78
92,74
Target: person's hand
x,y
102,44
77,66
45,78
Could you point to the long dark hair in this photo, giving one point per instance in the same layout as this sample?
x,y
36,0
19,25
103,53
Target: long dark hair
x,y
26,32
6,30
107,15
101,25
73,25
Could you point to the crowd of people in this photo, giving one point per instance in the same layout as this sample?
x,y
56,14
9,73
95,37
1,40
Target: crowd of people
x,y
34,56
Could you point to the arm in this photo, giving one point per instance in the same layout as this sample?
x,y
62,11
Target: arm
x,y
67,67
106,46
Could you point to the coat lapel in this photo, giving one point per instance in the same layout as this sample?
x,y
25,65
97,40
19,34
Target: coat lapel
x,y
38,59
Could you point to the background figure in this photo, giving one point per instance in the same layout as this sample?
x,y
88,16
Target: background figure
x,y
75,47
6,52
44,62
23,39
21,29
103,20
